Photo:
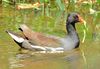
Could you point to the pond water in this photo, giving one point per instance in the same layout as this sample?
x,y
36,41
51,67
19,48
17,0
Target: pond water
x,y
85,57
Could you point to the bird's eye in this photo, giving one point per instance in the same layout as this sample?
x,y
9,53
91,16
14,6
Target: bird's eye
x,y
76,16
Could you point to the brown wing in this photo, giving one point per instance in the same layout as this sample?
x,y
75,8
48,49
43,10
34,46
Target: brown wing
x,y
39,38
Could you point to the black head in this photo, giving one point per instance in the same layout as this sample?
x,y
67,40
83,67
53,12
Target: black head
x,y
74,18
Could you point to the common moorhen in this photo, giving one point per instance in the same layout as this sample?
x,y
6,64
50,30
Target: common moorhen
x,y
36,41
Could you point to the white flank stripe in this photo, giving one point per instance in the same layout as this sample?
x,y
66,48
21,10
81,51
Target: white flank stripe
x,y
49,49
39,47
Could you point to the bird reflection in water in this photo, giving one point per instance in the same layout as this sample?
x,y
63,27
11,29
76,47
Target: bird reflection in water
x,y
76,59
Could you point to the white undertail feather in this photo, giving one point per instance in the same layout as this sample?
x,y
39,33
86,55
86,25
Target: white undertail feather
x,y
16,38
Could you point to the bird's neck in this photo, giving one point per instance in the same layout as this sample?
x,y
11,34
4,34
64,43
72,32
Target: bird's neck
x,y
71,28
73,34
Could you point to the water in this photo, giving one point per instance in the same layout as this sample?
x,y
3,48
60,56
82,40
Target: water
x,y
86,57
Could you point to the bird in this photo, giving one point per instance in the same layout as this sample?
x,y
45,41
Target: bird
x,y
36,41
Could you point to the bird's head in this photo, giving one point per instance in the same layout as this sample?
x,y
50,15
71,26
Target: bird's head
x,y
74,18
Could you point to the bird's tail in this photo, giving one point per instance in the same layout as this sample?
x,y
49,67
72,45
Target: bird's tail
x,y
17,38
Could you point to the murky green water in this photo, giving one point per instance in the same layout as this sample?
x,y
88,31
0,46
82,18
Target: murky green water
x,y
86,57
